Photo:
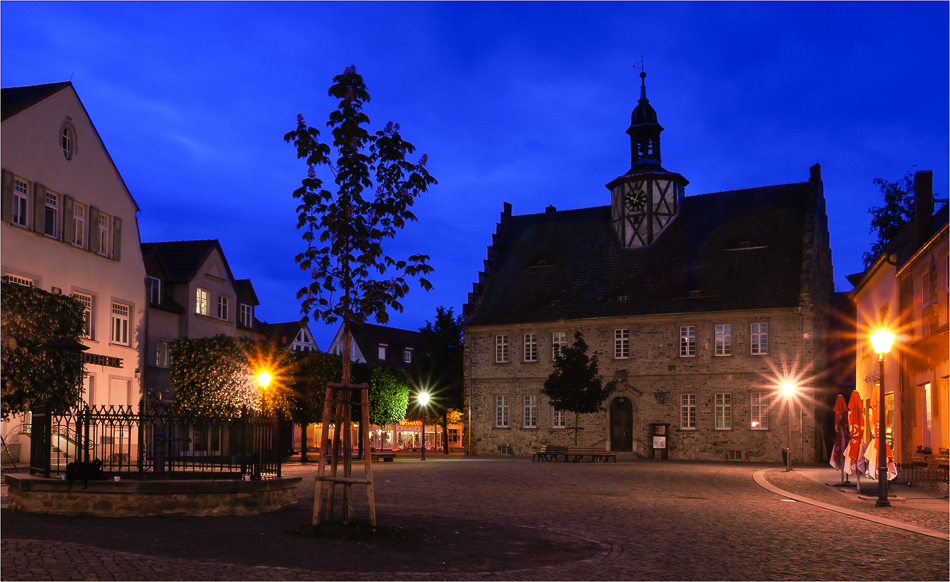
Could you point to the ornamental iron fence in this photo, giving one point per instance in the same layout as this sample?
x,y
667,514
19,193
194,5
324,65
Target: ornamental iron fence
x,y
158,442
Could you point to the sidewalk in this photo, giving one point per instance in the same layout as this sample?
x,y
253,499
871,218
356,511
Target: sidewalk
x,y
917,509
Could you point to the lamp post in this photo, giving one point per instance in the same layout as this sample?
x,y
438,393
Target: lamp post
x,y
423,400
789,390
882,342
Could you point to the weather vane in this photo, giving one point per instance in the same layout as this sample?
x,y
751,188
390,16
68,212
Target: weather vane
x,y
639,64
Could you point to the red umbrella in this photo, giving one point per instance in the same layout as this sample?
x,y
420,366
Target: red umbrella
x,y
856,425
871,454
842,433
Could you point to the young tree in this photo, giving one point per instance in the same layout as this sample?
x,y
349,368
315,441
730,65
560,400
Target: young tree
x,y
31,374
886,220
352,277
574,385
440,371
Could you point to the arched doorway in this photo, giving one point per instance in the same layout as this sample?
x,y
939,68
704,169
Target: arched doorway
x,y
621,424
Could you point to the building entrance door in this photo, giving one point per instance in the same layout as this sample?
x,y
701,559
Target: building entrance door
x,y
621,424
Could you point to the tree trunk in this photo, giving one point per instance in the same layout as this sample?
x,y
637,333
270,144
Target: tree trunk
x,y
445,433
303,442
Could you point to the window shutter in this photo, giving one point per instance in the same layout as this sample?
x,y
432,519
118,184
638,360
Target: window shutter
x,y
116,238
68,218
39,207
7,214
93,229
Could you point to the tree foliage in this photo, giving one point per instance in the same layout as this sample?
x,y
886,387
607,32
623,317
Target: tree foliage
x,y
218,376
352,276
575,385
886,221
30,374
388,395
439,370
313,372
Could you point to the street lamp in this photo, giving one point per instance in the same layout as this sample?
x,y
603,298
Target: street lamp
x,y
789,390
423,399
882,342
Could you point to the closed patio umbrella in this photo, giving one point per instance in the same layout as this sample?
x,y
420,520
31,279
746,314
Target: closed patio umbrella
x,y
842,436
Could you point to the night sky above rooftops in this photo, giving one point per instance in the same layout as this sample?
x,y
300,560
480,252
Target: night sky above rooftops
x,y
519,102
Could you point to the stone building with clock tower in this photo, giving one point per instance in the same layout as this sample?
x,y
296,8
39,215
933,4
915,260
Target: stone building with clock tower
x,y
700,307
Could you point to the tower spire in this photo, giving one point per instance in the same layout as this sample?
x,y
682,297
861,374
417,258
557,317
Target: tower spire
x,y
644,129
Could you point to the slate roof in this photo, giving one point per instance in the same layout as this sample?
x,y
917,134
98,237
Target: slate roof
x,y
15,99
183,258
571,265
368,336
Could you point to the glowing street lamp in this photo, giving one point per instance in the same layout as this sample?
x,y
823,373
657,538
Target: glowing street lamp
x,y
423,399
789,390
882,342
264,380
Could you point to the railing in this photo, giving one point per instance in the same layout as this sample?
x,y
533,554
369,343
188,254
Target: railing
x,y
923,473
158,441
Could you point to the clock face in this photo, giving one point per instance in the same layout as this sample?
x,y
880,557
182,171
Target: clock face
x,y
635,200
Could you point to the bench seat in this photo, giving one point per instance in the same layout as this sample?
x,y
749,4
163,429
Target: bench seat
x,y
576,454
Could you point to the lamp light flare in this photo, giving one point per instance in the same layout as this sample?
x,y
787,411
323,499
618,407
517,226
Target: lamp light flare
x,y
882,341
264,379
423,398
789,389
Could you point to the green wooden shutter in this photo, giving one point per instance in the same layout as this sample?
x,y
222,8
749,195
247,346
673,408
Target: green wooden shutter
x,y
116,238
68,219
93,229
39,208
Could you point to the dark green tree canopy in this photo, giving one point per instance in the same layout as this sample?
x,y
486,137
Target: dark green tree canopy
x,y
30,374
886,221
440,370
376,185
574,385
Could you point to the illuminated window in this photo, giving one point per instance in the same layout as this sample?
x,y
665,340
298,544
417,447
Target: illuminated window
x,y
760,411
621,344
501,411
723,411
760,339
688,411
531,347
687,341
201,301
723,340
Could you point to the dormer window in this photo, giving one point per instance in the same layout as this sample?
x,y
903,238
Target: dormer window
x,y
247,315
154,285
694,293
381,353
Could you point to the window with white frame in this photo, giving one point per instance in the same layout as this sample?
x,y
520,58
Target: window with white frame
x,y
759,403
79,225
407,355
247,314
18,280
120,324
558,418
723,340
621,344
163,354
688,411
760,339
86,301
223,304
104,235
530,411
687,341
154,285
202,297
68,142
531,347
51,223
381,352
21,198
723,411
501,411
501,349
558,343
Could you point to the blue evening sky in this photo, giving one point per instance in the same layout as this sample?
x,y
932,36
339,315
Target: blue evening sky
x,y
519,102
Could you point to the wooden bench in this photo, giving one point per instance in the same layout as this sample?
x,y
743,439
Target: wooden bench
x,y
386,456
576,454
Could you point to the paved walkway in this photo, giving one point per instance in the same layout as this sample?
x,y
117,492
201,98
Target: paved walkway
x,y
635,520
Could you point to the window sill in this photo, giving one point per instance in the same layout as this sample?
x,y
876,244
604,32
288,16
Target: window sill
x,y
115,345
529,428
688,429
724,429
682,356
502,428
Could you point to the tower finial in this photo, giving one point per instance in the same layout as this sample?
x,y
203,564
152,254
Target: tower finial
x,y
643,80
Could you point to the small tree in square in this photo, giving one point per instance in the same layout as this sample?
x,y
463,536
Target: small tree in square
x,y
574,385
376,186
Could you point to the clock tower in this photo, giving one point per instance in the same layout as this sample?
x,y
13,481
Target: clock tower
x,y
645,200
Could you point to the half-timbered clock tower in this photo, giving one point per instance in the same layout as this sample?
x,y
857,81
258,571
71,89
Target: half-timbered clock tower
x,y
645,200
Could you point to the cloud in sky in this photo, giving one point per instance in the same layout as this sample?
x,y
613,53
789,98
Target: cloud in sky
x,y
518,102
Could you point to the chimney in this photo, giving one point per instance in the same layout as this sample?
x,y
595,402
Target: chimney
x,y
923,207
550,208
